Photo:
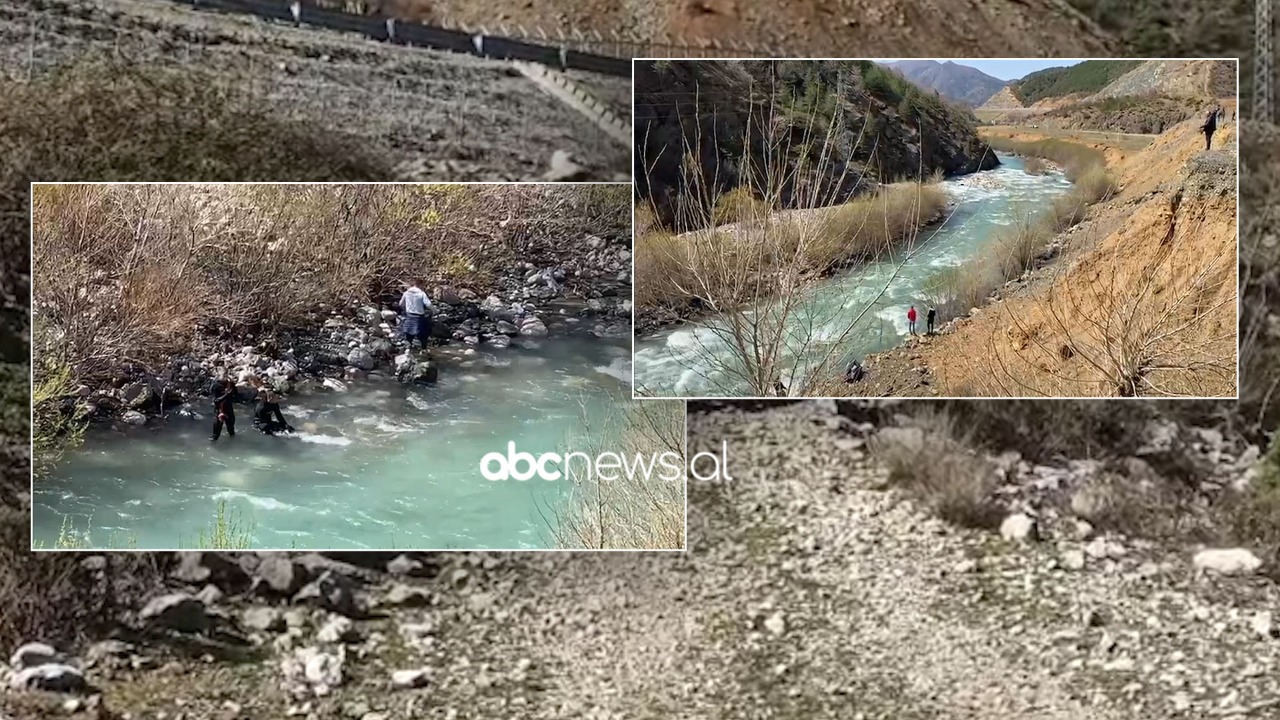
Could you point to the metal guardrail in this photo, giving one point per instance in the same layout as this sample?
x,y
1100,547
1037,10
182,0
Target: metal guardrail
x,y
413,34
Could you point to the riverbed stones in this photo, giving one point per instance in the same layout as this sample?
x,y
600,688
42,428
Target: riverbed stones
x,y
133,417
531,325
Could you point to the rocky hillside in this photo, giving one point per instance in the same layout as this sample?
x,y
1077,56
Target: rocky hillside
x,y
1148,98
958,83
1085,77
699,124
1163,248
816,579
1202,80
1004,99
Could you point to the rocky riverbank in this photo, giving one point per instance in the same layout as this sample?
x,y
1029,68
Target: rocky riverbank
x,y
583,288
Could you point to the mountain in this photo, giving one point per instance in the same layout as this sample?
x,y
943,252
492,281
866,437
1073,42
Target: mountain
x,y
845,126
958,83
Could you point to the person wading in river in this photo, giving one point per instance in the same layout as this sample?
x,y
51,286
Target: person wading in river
x,y
268,418
417,315
224,407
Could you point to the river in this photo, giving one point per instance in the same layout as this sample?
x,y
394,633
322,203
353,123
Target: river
x,y
691,361
378,466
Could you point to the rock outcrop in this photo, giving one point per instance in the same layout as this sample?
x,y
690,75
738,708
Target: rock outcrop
x,y
723,125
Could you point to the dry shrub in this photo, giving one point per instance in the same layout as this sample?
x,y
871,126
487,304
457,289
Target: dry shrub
x,y
1035,166
637,512
134,272
1251,517
937,465
54,598
955,291
1018,246
1075,159
1094,184
738,205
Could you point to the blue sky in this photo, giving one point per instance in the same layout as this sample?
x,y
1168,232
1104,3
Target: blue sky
x,y
1006,69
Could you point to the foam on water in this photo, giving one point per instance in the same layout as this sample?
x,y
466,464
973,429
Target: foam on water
x,y
264,503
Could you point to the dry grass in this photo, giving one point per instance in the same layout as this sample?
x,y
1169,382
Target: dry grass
x,y
638,510
1035,166
669,266
137,272
943,471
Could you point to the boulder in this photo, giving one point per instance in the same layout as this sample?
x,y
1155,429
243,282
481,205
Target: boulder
x,y
50,677
33,654
1227,561
177,611
330,591
133,417
1018,527
360,358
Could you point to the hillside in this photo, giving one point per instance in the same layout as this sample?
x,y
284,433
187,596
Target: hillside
x,y
1148,98
1004,99
958,83
1086,77
873,126
1144,289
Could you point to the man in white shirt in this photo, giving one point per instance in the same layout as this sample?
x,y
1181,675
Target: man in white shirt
x,y
417,315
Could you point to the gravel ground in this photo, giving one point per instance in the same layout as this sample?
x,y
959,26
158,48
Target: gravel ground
x,y
440,116
811,590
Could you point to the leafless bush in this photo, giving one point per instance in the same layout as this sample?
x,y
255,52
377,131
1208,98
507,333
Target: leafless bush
x,y
132,273
636,511
1162,329
753,280
937,463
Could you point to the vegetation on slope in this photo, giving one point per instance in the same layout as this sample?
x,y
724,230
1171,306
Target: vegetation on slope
x,y
707,128
1085,77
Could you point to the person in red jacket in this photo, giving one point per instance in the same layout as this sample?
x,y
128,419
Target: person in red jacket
x,y
911,320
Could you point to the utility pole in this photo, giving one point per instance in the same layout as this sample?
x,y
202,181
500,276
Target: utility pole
x,y
1262,67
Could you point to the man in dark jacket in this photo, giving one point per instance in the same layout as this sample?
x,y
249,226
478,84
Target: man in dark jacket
x,y
224,407
1210,125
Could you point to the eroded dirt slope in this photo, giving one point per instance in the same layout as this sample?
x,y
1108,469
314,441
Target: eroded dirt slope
x,y
1143,293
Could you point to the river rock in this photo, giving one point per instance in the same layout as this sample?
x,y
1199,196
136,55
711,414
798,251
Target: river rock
x,y
507,328
380,348
335,385
280,574
33,654
1018,527
360,358
1232,561
133,417
137,395
177,611
531,325
369,315
389,316
500,341
330,591
50,677
262,619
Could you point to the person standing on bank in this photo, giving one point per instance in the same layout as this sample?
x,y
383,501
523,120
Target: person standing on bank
x,y
930,319
911,320
1210,125
417,315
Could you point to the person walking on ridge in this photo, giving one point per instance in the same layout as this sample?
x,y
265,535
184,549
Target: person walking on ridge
x,y
1210,125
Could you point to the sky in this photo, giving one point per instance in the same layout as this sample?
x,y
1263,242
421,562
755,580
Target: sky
x,y
1006,69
